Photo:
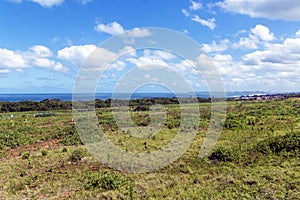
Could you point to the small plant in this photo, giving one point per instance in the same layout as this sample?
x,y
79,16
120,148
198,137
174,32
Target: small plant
x,y
107,181
64,150
44,152
25,155
77,155
221,154
71,137
286,143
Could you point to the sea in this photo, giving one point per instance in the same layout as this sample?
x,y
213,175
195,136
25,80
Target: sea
x,y
103,96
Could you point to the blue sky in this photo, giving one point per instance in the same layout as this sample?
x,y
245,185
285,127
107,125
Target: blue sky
x,y
255,45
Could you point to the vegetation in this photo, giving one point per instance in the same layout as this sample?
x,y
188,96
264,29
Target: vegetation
x,y
256,157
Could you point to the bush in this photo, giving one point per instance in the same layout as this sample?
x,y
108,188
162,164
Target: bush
x,y
286,143
44,152
107,181
76,155
44,114
221,154
25,155
13,138
71,137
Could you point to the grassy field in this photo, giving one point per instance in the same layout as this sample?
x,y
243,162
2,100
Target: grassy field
x,y
256,157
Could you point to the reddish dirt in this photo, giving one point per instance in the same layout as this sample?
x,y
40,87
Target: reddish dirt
x,y
14,152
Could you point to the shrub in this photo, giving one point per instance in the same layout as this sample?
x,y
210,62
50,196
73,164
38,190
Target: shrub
x,y
107,181
13,138
221,154
286,143
44,152
44,114
25,155
76,155
71,137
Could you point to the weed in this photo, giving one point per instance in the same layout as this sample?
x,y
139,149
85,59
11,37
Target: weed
x,y
44,152
107,181
221,154
286,143
25,155
77,155
71,137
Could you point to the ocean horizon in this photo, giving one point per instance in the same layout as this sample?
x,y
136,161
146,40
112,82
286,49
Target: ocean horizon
x,y
103,96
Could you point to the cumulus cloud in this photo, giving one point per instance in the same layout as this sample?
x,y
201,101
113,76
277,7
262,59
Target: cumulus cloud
x,y
276,56
36,56
275,9
145,61
41,51
12,59
263,33
195,6
43,3
84,2
41,78
275,66
214,47
113,28
246,43
138,33
76,54
260,34
210,23
298,33
4,71
185,12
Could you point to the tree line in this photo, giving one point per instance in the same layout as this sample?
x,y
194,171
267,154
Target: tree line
x,y
56,104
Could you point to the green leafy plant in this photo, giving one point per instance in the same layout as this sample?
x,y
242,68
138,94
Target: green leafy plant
x,y
286,143
107,181
25,155
221,154
77,155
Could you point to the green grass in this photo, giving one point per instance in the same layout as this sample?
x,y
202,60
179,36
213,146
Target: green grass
x,y
256,156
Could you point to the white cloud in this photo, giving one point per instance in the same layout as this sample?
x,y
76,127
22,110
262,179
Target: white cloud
x,y
147,62
12,59
275,9
224,64
4,71
84,2
263,33
246,43
185,12
258,35
113,28
41,51
276,56
163,55
214,47
195,6
274,66
138,33
298,33
118,65
43,3
36,56
48,3
210,23
76,54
